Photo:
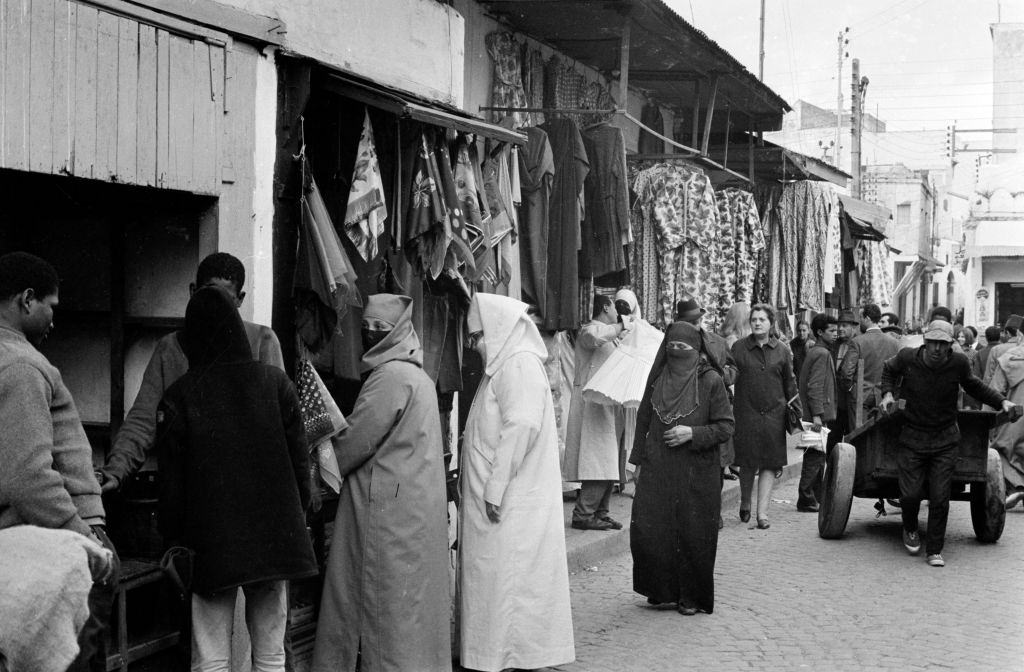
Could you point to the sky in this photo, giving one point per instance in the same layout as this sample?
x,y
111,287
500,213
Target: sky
x,y
929,62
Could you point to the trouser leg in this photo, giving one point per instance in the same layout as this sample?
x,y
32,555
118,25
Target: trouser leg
x,y
92,639
811,472
911,465
602,505
940,476
212,622
590,498
266,615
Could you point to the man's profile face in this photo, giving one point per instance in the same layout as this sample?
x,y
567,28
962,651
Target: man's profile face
x,y
40,315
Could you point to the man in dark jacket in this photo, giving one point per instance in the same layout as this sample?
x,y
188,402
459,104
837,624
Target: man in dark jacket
x,y
234,483
992,335
872,348
932,377
817,383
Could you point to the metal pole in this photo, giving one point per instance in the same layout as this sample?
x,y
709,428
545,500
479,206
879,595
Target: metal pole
x,y
839,98
855,130
760,69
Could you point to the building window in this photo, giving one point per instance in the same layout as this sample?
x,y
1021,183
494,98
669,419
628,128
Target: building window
x,y
903,214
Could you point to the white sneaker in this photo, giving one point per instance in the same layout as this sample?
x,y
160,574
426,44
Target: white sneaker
x,y
936,560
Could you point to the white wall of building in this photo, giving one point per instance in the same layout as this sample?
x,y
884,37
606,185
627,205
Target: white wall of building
x,y
413,45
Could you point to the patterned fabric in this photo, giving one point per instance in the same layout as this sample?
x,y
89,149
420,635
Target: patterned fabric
x,y
428,226
366,212
875,280
681,202
742,224
597,97
315,419
533,82
507,88
644,261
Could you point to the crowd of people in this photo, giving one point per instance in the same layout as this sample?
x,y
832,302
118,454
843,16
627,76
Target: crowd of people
x,y
235,482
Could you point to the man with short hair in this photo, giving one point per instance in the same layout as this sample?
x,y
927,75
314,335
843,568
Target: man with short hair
x,y
872,348
46,475
888,320
849,329
817,384
135,439
932,376
1013,339
992,335
593,431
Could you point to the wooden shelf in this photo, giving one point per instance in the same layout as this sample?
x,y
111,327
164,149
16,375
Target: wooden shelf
x,y
146,321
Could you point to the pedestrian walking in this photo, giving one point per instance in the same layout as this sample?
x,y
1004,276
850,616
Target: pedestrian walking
x,y
385,603
992,335
849,329
1012,332
513,576
594,431
736,324
683,419
764,385
965,337
234,484
932,377
47,476
817,384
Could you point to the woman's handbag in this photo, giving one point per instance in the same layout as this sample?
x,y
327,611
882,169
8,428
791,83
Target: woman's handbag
x,y
794,415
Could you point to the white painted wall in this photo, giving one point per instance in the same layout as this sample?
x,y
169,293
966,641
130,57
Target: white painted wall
x,y
262,264
1000,233
413,45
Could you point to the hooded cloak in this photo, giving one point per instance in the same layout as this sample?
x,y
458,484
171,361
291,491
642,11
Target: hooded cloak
x,y
385,592
234,468
513,577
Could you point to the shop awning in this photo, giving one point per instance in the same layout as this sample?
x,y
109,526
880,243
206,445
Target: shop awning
x,y
408,106
772,162
864,220
668,57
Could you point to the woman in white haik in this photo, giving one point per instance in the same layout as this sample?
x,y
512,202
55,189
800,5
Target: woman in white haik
x,y
513,577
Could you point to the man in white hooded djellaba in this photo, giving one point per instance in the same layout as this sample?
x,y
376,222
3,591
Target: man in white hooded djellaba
x,y
513,577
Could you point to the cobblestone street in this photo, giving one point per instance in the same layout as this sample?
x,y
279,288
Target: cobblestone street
x,y
789,600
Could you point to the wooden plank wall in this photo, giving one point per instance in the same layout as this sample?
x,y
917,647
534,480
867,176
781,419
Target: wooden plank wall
x,y
89,93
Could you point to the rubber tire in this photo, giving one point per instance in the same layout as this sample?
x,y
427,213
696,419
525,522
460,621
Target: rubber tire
x,y
988,499
837,498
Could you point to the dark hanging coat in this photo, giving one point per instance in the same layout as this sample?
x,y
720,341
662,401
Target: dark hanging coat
x,y
764,384
564,236
234,468
607,196
674,529
536,173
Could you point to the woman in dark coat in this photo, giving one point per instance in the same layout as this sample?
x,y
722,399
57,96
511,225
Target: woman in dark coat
x,y
684,417
234,482
764,383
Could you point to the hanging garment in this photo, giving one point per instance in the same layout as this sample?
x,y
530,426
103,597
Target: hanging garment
x,y
644,260
536,174
571,168
533,82
507,90
833,247
607,195
744,227
650,116
324,283
463,234
428,229
366,211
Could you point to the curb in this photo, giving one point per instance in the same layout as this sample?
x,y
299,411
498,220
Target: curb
x,y
584,552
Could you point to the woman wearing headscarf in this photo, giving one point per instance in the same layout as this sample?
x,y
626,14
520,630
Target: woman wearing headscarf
x,y
513,576
764,385
234,483
386,600
684,417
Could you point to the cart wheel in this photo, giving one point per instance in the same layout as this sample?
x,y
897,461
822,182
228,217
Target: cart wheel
x,y
988,513
840,468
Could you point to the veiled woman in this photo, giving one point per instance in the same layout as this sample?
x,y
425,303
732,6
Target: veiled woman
x,y
684,417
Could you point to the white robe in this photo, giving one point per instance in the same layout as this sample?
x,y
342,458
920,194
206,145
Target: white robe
x,y
514,580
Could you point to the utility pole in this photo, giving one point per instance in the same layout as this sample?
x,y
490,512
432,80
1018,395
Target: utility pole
x,y
859,87
760,69
841,43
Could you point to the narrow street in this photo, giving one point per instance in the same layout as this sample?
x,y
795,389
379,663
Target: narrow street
x,y
789,600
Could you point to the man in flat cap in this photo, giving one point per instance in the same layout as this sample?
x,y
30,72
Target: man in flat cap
x,y
932,377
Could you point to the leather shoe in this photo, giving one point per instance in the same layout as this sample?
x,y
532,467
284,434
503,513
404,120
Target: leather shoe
x,y
592,524
763,524
688,611
808,508
745,515
616,525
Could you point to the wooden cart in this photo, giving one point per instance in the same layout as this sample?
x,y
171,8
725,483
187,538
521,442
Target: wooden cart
x,y
865,466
